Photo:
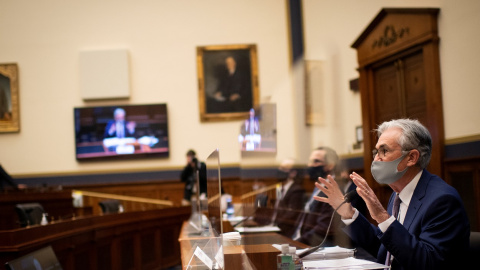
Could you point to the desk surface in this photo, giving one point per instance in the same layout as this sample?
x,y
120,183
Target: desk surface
x,y
257,246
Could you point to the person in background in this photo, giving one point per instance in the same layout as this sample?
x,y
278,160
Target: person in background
x,y
189,177
289,200
430,227
313,223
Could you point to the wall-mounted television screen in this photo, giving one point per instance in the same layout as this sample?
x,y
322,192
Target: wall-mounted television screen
x,y
258,133
125,131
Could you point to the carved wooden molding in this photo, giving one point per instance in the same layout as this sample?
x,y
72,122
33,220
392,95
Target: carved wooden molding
x,y
390,36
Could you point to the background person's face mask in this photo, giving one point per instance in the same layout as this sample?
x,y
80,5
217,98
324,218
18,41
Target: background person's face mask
x,y
282,175
385,172
315,172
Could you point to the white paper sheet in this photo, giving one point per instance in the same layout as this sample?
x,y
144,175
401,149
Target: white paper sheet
x,y
347,263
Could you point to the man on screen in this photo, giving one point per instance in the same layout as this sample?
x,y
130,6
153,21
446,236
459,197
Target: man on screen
x,y
119,127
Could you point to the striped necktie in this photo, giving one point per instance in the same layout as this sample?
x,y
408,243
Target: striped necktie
x,y
396,207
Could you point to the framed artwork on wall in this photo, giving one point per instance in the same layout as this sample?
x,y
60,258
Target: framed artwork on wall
x,y
228,81
9,101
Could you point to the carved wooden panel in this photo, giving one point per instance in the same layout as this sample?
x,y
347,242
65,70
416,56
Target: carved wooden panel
x,y
415,90
387,93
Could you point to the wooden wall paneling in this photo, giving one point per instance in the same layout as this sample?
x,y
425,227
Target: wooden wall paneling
x,y
103,254
150,247
434,121
104,242
58,205
464,175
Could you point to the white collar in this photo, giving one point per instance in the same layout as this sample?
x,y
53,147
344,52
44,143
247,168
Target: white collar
x,y
287,185
407,192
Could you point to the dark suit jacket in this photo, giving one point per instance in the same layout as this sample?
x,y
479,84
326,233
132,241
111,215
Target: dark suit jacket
x,y
435,233
289,208
112,122
357,201
189,177
316,222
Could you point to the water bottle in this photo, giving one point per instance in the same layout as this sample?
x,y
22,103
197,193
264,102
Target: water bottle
x,y
297,261
44,220
284,259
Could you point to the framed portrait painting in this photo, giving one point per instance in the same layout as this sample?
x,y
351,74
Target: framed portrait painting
x,y
228,81
9,101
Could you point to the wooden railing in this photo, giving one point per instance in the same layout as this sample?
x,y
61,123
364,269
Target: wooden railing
x,y
133,240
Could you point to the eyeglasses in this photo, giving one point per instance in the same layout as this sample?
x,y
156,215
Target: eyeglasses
x,y
383,152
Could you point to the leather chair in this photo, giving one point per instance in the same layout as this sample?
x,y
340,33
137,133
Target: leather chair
x,y
29,213
110,206
474,246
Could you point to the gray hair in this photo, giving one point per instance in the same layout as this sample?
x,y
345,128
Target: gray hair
x,y
414,136
331,158
119,111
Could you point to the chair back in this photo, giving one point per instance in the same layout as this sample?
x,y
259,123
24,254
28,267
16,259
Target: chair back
x,y
474,244
29,213
110,206
261,200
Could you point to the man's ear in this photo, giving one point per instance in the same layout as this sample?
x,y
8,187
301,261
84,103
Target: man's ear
x,y
329,168
412,157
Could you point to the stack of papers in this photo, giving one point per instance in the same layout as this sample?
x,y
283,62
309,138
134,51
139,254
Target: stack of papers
x,y
328,253
330,258
347,263
257,229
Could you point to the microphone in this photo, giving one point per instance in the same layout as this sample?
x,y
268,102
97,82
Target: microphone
x,y
349,197
346,199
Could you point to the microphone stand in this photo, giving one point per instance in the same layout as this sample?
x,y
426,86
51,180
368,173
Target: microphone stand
x,y
347,198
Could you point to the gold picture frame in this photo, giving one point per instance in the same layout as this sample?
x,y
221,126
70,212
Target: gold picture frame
x,y
9,100
227,81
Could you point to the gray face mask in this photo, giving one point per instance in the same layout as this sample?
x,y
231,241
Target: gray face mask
x,y
385,172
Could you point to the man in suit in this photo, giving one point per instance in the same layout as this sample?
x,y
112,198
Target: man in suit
x,y
189,177
119,127
313,223
431,228
233,93
289,201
